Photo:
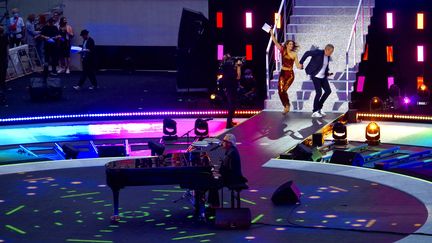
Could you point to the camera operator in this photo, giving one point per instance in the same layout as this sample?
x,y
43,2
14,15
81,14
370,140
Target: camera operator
x,y
231,72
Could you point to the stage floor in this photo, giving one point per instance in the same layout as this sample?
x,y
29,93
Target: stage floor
x,y
70,199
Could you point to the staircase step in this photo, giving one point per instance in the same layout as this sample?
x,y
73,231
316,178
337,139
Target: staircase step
x,y
325,10
322,19
314,28
327,2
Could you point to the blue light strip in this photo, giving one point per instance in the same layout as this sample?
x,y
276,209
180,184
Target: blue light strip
x,y
127,114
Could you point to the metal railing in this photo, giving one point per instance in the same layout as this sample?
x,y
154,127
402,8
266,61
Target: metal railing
x,y
362,7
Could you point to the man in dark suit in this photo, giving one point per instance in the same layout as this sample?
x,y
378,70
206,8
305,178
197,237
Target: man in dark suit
x,y
88,61
318,69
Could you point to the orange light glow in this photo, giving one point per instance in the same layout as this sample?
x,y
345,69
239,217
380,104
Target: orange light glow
x,y
420,81
389,50
420,21
277,20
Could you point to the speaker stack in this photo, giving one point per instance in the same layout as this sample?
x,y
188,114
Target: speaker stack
x,y
286,194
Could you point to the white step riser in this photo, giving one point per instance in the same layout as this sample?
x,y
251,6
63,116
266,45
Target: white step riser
x,y
330,10
326,2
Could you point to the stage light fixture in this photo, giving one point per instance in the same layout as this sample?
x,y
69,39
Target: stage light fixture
x,y
219,20
248,20
220,52
375,104
201,128
420,54
212,96
169,129
420,21
249,52
423,95
389,18
373,134
339,134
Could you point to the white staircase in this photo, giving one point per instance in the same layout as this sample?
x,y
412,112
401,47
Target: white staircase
x,y
315,23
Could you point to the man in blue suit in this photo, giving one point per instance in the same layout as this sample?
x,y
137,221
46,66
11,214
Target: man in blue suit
x,y
318,69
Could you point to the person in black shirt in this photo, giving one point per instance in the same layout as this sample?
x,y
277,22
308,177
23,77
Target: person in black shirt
x,y
231,74
230,168
50,34
88,61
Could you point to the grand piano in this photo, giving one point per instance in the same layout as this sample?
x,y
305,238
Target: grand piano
x,y
190,170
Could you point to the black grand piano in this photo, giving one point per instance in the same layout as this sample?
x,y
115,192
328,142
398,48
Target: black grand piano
x,y
190,170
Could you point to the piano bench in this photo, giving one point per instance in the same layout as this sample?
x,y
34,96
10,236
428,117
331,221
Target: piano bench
x,y
235,193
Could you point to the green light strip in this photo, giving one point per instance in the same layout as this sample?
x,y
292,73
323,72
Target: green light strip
x,y
193,236
15,210
257,218
94,241
99,201
205,241
168,191
171,228
247,201
15,229
80,195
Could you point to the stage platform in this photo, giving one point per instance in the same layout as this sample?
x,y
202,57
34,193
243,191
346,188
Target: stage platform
x,y
68,201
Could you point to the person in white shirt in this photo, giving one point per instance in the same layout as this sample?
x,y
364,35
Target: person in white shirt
x,y
16,28
318,70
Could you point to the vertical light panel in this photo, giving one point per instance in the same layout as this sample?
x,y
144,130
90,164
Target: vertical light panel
x,y
420,54
219,20
360,83
420,21
248,20
277,20
389,50
390,82
248,52
420,81
220,51
389,18
366,53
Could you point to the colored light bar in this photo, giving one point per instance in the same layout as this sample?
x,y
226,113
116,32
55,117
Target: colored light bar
x,y
389,50
129,114
249,52
248,20
420,81
277,20
390,82
420,54
420,21
366,53
220,52
219,20
389,17
365,116
360,83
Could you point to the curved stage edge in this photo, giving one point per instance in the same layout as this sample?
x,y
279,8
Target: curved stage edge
x,y
70,199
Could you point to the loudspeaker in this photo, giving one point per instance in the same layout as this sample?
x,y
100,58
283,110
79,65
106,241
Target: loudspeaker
x,y
70,151
111,150
233,218
51,89
347,158
287,193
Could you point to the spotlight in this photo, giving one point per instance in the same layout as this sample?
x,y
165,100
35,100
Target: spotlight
x,y
201,128
408,104
375,104
213,96
423,95
373,134
339,134
169,129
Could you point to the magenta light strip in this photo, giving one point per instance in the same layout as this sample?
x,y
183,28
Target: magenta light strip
x,y
390,82
248,20
130,114
389,17
420,53
220,51
360,83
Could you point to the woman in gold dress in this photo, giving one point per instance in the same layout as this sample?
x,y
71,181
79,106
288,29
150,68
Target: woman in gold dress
x,y
286,76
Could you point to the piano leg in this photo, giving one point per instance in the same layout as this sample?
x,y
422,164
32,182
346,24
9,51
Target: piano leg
x,y
116,193
199,205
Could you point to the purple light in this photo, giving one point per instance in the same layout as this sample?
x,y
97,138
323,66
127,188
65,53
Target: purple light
x,y
406,100
360,83
390,82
